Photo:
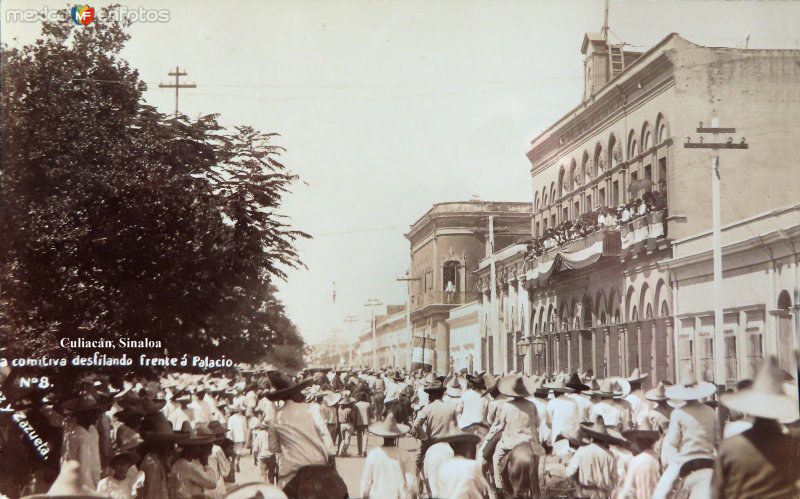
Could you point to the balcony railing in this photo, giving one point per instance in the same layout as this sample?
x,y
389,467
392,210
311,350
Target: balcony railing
x,y
444,298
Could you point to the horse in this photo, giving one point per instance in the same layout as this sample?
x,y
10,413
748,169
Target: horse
x,y
519,470
694,479
318,481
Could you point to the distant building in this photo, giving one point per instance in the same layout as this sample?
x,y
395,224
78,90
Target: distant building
x,y
331,352
392,340
447,243
619,272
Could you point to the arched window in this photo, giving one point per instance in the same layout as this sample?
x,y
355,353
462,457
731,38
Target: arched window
x,y
633,147
646,142
561,182
662,132
553,192
585,167
572,171
599,160
784,317
536,202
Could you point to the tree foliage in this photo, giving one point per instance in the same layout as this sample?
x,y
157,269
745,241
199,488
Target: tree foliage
x,y
120,222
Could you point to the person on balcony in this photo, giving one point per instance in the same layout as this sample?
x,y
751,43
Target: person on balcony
x,y
450,292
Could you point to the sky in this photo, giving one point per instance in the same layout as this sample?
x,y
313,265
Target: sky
x,y
387,107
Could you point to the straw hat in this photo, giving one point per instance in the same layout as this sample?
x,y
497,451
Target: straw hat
x,y
643,432
435,387
559,385
332,399
388,428
284,387
490,382
599,431
657,394
616,387
690,387
156,428
576,384
201,435
636,376
82,403
218,430
454,435
454,386
516,386
767,397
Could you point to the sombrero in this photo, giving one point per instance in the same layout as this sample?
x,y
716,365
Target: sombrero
x,y
644,431
454,435
388,427
332,399
598,430
690,388
218,430
490,382
616,387
516,386
576,438
435,387
455,386
201,435
636,376
156,428
657,394
767,397
284,387
82,403
576,384
559,385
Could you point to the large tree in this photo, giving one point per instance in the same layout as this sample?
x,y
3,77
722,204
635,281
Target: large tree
x,y
117,221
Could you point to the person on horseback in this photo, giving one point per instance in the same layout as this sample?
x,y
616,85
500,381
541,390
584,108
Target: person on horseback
x,y
563,413
692,431
433,420
460,477
517,420
593,467
472,407
644,470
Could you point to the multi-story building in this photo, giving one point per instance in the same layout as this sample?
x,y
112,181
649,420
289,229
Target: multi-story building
x,y
447,243
392,340
622,215
332,352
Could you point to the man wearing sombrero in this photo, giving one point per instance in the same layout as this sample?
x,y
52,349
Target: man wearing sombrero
x,y
593,467
81,440
517,420
644,470
385,472
298,435
763,461
434,419
692,431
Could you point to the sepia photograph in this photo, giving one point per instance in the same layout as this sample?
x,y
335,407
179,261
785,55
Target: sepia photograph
x,y
400,249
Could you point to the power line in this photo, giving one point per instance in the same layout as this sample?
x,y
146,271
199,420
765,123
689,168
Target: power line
x,y
177,85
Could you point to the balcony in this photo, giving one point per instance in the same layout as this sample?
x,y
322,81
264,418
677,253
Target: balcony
x,y
444,298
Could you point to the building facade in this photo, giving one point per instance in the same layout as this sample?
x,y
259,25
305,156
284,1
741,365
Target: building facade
x,y
392,340
447,243
617,275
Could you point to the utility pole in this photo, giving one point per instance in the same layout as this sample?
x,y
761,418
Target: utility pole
x,y
605,22
350,319
493,285
408,312
177,85
719,329
372,303
336,332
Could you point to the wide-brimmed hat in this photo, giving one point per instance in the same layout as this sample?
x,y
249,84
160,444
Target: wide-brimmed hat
x,y
455,435
657,394
690,387
599,431
767,398
388,427
200,435
576,384
82,403
156,428
332,399
636,375
284,387
218,430
559,385
455,386
516,386
436,386
615,387
643,432
490,382
576,438
398,376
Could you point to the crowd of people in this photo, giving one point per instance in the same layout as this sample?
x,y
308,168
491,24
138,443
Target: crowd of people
x,y
595,220
186,436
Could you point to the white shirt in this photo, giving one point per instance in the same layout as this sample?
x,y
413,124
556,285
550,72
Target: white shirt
x,y
392,390
384,475
584,405
612,415
461,478
563,415
237,426
177,418
473,409
201,411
